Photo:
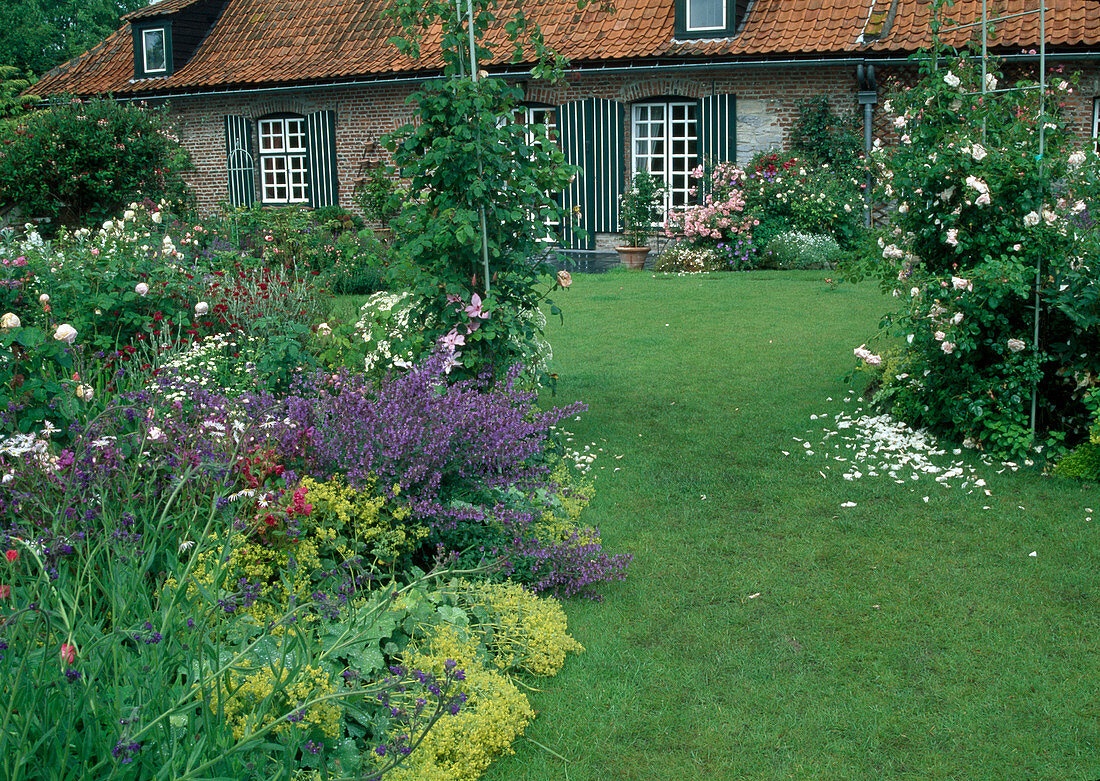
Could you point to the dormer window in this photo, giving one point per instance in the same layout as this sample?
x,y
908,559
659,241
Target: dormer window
x,y
154,55
152,50
706,15
708,18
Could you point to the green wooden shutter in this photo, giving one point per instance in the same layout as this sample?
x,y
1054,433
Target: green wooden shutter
x,y
239,161
591,133
718,128
321,142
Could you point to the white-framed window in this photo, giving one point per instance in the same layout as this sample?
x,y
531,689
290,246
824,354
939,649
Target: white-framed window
x,y
666,143
154,51
283,160
704,15
1096,124
529,117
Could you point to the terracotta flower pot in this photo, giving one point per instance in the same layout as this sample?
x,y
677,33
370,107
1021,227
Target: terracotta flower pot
x,y
633,257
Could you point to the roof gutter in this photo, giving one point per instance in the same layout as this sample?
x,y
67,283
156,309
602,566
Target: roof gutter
x,y
679,67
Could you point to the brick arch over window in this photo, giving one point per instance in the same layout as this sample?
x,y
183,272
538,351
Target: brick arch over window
x,y
272,106
640,89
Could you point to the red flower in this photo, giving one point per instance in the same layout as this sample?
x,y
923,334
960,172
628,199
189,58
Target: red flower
x,y
5,592
68,653
11,556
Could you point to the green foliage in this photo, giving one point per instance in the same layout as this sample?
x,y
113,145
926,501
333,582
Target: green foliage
x,y
481,187
977,218
378,195
798,250
467,154
80,163
41,34
823,136
13,102
1082,462
641,208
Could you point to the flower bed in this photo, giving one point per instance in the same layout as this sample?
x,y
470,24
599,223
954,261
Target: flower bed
x,y
227,555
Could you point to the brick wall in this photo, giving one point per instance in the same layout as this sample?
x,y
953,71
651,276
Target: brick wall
x,y
767,101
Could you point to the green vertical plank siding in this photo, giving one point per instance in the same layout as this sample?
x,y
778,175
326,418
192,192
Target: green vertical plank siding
x,y
608,126
591,133
239,161
718,128
321,145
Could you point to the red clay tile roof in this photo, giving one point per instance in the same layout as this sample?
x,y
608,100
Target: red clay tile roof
x,y
278,42
159,9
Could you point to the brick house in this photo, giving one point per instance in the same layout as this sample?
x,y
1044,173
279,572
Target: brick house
x,y
280,101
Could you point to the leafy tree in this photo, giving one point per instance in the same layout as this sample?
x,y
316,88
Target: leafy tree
x,y
483,190
41,34
13,101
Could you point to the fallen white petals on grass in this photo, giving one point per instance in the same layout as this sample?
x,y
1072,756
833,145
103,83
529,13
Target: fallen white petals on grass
x,y
848,504
869,444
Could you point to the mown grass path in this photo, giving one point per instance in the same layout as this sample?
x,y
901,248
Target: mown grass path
x,y
897,639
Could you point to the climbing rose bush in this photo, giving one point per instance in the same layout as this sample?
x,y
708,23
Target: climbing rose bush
x,y
978,216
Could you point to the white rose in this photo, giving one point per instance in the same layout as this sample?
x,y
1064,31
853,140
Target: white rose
x,y
990,82
1031,219
978,151
324,329
141,288
202,308
951,79
128,214
156,217
44,299
953,237
65,333
900,122
10,320
939,336
1015,345
957,318
1076,158
948,347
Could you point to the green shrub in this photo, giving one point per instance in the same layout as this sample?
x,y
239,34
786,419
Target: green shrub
x,y
789,193
80,163
798,250
827,137
1082,462
362,264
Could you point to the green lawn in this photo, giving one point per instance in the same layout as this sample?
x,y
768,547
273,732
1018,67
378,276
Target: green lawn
x,y
893,639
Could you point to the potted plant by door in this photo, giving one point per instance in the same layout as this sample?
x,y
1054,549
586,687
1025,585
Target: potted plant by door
x,y
642,205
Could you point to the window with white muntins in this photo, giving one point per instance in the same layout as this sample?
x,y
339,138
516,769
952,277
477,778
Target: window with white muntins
x,y
283,160
666,143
